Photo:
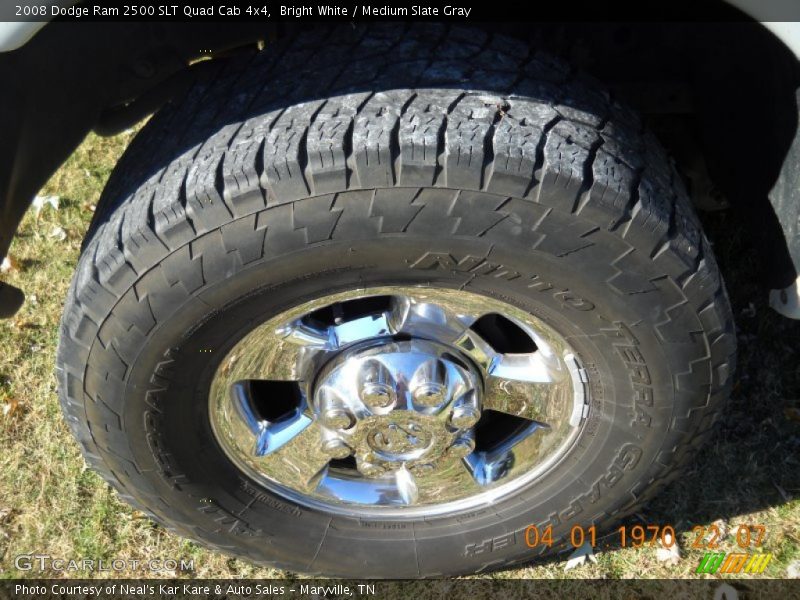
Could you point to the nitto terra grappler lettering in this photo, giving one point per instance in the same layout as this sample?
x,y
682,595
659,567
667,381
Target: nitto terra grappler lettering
x,y
476,265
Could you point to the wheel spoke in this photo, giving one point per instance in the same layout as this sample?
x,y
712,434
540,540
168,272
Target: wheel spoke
x,y
477,348
300,460
357,330
541,402
300,333
406,486
268,436
275,435
416,317
535,367
487,467
273,354
453,478
393,489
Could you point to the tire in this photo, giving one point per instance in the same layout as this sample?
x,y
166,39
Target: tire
x,y
436,157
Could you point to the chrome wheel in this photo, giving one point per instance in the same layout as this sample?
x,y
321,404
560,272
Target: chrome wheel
x,y
395,401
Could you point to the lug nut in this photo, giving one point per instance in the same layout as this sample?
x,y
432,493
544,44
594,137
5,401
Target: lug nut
x,y
336,448
332,411
333,445
466,412
376,386
464,417
370,469
376,394
429,394
337,418
463,446
428,384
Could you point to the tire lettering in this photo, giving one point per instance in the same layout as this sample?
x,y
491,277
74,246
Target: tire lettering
x,y
469,264
626,460
570,300
231,522
476,265
491,544
638,374
572,511
269,501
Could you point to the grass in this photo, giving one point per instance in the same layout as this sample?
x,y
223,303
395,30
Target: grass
x,y
51,504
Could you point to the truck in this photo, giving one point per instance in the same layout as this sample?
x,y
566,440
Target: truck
x,y
372,298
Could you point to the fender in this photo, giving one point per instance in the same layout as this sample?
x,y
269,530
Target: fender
x,y
782,18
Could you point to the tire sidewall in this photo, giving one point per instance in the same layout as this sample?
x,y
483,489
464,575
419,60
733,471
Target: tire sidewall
x,y
166,406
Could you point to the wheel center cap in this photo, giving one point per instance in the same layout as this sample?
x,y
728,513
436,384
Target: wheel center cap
x,y
403,440
401,403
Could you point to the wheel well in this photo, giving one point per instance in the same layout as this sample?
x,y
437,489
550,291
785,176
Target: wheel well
x,y
720,95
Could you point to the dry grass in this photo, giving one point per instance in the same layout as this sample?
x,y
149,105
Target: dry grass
x,y
50,503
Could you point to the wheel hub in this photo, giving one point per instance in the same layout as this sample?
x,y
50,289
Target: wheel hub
x,y
398,404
